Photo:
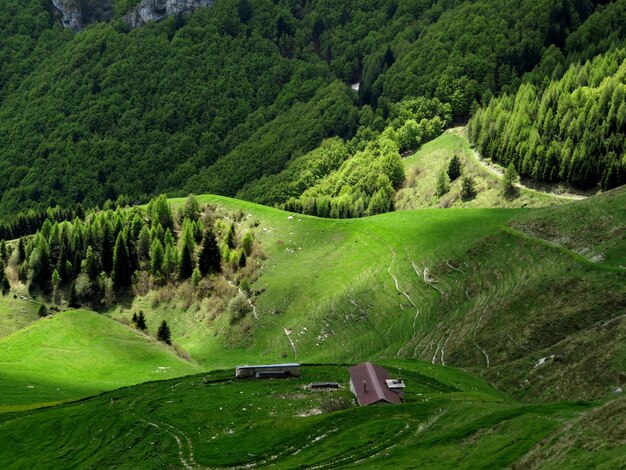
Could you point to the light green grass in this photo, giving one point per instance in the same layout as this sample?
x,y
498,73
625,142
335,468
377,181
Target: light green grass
x,y
76,354
214,420
16,313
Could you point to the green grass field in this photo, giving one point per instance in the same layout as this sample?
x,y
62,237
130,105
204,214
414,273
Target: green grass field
x,y
77,354
213,420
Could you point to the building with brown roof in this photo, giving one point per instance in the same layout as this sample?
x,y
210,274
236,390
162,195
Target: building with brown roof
x,y
373,384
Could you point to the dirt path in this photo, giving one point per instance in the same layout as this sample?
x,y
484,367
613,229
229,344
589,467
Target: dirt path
x,y
254,312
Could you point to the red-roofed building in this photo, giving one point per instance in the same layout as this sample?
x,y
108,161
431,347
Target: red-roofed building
x,y
372,384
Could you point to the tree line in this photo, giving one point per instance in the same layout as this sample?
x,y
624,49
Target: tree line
x,y
97,259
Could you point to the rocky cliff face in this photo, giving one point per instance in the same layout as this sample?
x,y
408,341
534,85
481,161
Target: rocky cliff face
x,y
76,14
149,10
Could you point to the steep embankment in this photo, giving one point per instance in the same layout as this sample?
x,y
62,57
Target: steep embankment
x,y
76,354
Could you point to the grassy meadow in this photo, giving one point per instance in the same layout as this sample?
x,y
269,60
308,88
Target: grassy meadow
x,y
213,420
76,354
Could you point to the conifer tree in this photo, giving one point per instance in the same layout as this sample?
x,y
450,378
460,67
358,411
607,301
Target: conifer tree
x,y
143,244
209,261
191,208
454,168
509,179
230,237
442,184
164,334
141,321
156,257
121,273
73,298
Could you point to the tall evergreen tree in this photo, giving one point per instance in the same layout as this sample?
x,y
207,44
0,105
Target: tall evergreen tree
x,y
230,237
121,273
164,334
156,257
209,261
454,168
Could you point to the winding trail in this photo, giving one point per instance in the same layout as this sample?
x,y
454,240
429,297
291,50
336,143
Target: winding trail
x,y
397,284
248,299
287,332
474,337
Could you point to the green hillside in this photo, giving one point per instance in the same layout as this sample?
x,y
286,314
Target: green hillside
x,y
448,420
77,354
434,285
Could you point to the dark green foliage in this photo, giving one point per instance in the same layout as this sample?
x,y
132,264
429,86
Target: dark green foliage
x,y
122,268
454,168
164,334
186,262
87,117
231,241
43,311
140,321
209,260
73,297
509,179
468,189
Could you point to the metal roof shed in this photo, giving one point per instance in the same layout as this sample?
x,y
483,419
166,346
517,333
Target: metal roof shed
x,y
368,382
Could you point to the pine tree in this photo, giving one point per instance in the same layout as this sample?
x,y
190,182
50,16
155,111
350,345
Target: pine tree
x,y
467,188
156,257
185,268
454,168
247,243
121,270
56,279
73,298
6,285
210,259
143,244
509,179
196,277
191,208
163,334
230,237
141,321
43,311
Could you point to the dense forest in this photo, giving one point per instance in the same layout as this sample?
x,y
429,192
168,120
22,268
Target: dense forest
x,y
239,98
573,130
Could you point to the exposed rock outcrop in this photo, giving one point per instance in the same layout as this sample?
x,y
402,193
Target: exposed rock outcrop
x,y
149,10
76,14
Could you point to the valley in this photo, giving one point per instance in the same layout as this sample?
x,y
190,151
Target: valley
x,y
434,186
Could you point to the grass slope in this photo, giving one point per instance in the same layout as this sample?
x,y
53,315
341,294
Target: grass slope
x,y
424,167
214,420
474,288
76,354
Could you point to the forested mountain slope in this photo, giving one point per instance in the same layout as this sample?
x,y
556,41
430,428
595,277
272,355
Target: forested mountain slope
x,y
213,100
